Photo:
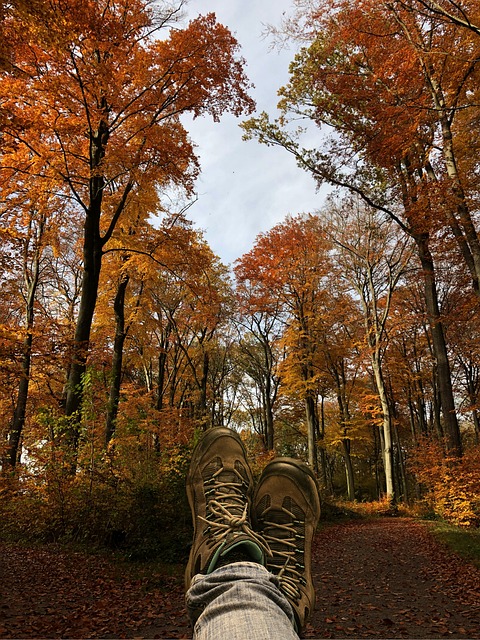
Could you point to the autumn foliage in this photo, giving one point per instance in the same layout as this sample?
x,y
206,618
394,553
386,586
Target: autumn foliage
x,y
390,87
347,336
112,301
453,486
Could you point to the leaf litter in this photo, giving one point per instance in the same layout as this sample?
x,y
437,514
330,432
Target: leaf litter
x,y
379,578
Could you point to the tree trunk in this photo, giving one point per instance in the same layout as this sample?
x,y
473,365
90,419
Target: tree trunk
x,y
387,448
92,261
402,476
476,426
348,469
93,244
269,435
201,412
451,428
92,264
378,448
162,365
322,452
464,233
472,397
311,419
338,370
18,421
117,361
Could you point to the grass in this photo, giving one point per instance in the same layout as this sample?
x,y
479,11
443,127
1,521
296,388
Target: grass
x,y
465,542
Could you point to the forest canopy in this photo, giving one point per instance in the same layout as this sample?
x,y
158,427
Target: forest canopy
x,y
346,336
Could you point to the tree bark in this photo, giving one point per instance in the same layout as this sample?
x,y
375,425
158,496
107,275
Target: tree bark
x,y
18,421
92,253
311,419
117,360
387,446
92,261
472,396
346,444
338,370
269,435
451,427
465,233
162,365
93,244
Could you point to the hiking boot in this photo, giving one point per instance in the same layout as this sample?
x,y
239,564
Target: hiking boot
x,y
286,509
219,490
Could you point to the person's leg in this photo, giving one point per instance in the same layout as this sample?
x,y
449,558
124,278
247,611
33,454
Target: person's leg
x,y
230,594
240,601
285,512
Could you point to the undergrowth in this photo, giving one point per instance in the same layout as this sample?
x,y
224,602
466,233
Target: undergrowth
x,y
465,542
335,510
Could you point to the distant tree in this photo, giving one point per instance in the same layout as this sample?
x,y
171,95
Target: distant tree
x,y
289,266
372,256
259,358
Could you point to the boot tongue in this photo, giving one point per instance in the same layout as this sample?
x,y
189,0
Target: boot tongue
x,y
241,551
228,477
230,486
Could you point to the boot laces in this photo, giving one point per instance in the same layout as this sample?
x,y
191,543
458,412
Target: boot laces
x,y
283,538
227,509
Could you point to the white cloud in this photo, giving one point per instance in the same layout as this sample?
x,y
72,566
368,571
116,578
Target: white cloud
x,y
245,187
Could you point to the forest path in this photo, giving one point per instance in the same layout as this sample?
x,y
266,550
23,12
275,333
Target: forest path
x,y
383,578
389,578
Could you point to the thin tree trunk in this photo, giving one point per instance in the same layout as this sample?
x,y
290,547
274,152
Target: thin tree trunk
x,y
201,408
117,361
269,434
472,397
18,421
466,233
162,366
346,445
451,428
387,448
311,419
322,452
402,476
476,426
378,447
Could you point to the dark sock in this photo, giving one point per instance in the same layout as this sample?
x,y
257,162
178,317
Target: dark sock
x,y
237,554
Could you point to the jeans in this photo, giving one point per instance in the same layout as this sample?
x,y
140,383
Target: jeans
x,y
239,601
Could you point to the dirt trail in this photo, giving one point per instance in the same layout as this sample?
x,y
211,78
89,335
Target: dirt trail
x,y
388,578
383,578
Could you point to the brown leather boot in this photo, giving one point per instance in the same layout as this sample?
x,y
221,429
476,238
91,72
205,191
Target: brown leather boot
x,y
219,490
286,510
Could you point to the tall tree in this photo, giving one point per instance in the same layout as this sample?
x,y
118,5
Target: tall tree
x,y
99,100
30,230
290,265
260,351
372,258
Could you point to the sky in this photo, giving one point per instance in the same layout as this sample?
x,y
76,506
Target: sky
x,y
246,188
